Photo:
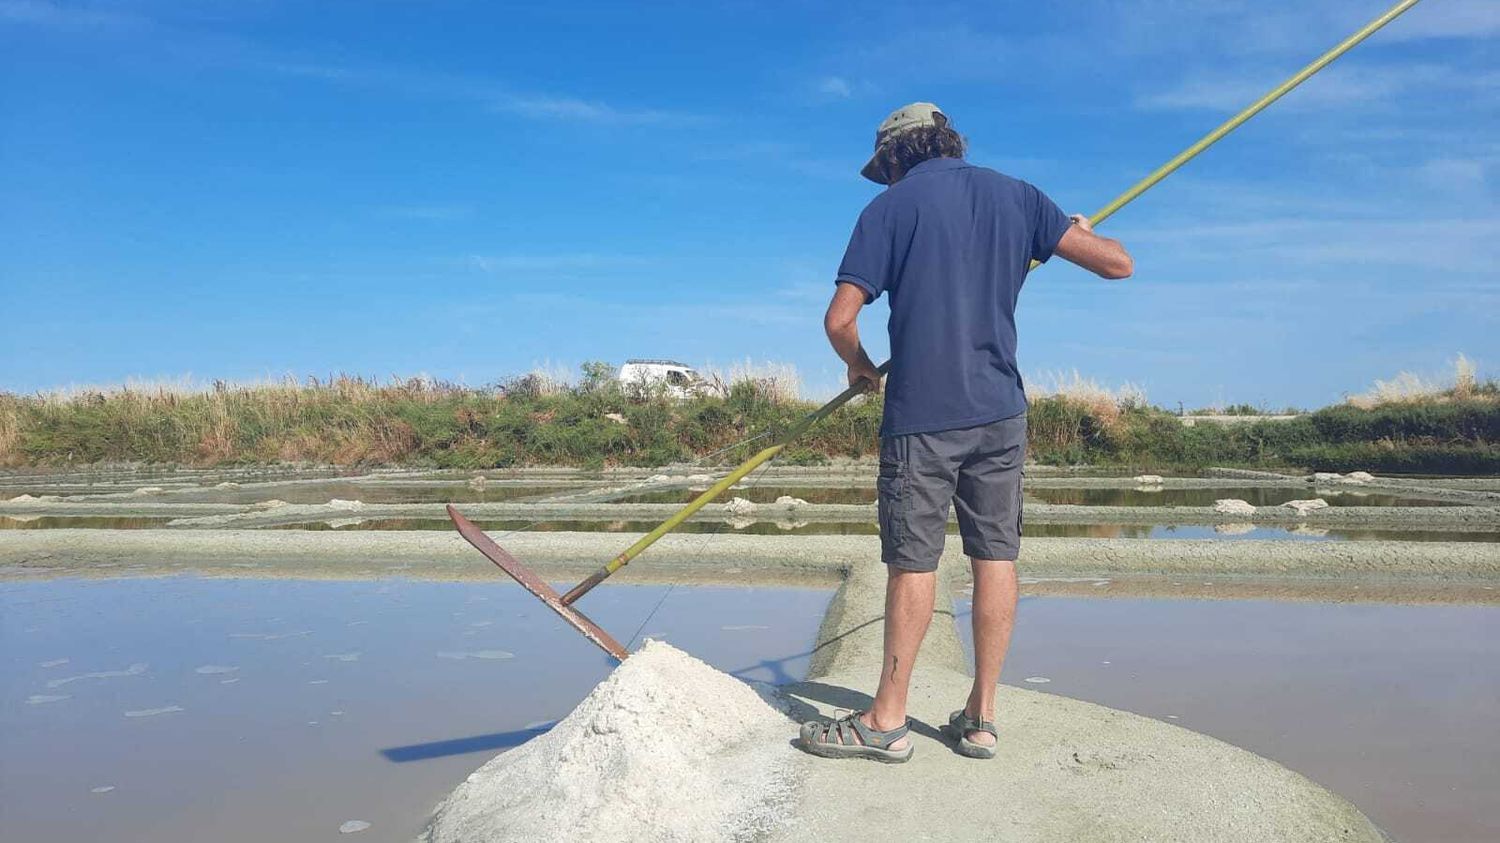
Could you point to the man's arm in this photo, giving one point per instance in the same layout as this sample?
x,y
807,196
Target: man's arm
x,y
842,326
1100,255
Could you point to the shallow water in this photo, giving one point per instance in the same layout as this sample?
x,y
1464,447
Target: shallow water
x,y
250,710
1252,532
1392,706
382,492
76,522
1258,496
763,493
868,528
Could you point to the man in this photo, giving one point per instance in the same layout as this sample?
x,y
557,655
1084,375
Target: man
x,y
950,244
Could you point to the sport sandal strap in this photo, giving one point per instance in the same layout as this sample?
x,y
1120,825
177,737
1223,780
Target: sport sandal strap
x,y
874,737
966,724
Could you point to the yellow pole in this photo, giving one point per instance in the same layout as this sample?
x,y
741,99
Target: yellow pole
x,y
1099,216
1253,109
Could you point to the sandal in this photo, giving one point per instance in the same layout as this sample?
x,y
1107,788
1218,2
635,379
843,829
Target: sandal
x,y
960,724
836,739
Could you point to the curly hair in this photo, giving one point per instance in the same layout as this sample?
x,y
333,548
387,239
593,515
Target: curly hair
x,y
913,146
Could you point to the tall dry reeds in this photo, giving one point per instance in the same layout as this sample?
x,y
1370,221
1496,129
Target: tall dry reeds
x,y
343,419
1074,416
1459,384
778,381
10,430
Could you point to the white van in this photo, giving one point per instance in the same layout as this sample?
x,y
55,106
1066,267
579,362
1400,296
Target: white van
x,y
680,381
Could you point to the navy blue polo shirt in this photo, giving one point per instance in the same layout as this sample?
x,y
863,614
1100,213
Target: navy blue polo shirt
x,y
951,243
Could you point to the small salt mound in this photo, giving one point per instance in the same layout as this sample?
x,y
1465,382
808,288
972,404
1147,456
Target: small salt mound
x,y
1233,506
665,749
1304,507
739,507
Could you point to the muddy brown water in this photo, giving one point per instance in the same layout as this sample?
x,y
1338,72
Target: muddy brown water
x,y
1078,497
318,493
249,710
79,522
861,528
1258,496
384,492
1396,707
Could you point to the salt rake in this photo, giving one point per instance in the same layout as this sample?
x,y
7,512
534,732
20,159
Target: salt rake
x,y
563,605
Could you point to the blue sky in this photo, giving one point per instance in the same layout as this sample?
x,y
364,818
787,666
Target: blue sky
x,y
464,190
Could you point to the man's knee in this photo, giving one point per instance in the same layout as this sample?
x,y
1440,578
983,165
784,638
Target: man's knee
x,y
908,576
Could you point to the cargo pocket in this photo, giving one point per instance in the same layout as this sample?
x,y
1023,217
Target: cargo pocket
x,y
890,487
1020,501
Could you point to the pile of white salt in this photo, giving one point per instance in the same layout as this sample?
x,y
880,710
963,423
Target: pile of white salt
x,y
666,748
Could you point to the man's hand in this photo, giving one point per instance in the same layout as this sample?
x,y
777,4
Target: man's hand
x,y
864,371
1082,222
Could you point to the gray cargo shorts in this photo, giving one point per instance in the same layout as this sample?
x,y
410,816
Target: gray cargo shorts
x,y
978,469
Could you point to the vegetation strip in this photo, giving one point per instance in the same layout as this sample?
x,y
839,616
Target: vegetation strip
x,y
598,422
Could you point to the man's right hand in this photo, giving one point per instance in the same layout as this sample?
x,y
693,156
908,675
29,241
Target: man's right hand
x,y
865,372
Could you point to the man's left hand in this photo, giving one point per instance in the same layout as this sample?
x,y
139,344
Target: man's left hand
x,y
865,371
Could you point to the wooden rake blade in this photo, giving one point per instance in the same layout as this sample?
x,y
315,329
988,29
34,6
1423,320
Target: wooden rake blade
x,y
534,584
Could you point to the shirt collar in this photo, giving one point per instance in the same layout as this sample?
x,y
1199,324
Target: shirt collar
x,y
937,165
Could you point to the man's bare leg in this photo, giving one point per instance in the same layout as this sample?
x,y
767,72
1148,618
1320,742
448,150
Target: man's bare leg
x,y
908,612
995,594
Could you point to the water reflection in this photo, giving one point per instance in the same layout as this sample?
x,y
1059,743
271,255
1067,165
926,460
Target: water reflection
x,y
216,708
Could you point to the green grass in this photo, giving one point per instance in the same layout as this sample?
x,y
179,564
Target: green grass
x,y
594,423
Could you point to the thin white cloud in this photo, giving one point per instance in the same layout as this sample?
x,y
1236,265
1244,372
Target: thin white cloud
x,y
216,49
835,86
427,212
572,108
782,154
1456,176
490,94
1255,28
1373,85
520,263
40,13
1454,245
1448,19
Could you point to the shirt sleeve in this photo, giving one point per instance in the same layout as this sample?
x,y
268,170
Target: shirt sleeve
x,y
869,260
1048,226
